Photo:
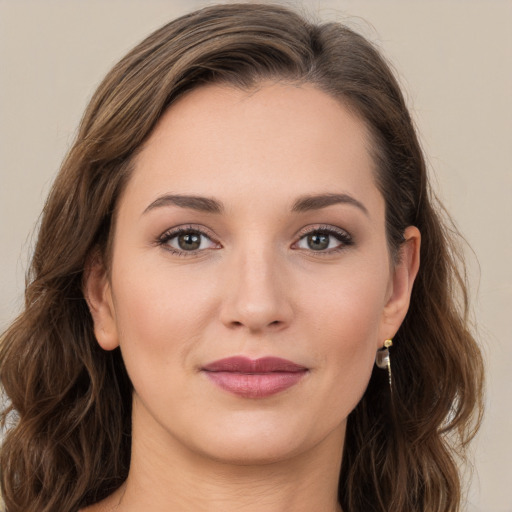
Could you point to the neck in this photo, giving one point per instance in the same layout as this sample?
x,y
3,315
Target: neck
x,y
165,476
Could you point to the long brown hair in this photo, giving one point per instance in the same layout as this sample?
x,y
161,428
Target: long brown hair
x,y
69,418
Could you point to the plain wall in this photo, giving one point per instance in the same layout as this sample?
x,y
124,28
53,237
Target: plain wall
x,y
452,57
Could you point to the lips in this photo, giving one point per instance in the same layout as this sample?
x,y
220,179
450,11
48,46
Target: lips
x,y
254,378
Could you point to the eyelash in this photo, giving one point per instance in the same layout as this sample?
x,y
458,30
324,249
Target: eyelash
x,y
341,235
173,233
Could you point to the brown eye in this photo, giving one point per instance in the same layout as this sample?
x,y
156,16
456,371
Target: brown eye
x,y
189,241
326,240
318,241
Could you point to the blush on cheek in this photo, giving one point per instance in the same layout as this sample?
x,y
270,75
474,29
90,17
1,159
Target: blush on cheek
x,y
350,342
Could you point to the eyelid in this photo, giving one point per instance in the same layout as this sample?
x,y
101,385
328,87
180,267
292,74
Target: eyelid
x,y
328,228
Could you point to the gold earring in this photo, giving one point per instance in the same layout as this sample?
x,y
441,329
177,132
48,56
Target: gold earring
x,y
383,360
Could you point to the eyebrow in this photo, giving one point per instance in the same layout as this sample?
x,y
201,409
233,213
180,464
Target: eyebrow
x,y
199,203
209,205
317,202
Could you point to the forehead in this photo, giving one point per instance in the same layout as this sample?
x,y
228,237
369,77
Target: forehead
x,y
277,139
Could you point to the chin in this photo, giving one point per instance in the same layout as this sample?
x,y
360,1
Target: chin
x,y
255,450
256,440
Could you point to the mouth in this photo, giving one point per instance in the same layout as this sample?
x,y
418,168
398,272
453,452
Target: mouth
x,y
254,378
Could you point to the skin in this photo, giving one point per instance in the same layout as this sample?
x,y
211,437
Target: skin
x,y
255,287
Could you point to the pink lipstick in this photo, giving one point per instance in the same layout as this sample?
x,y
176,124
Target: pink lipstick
x,y
254,378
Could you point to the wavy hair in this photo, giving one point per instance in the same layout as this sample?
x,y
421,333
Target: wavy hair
x,y
68,435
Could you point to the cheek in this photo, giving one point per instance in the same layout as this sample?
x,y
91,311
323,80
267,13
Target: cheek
x,y
349,305
160,314
346,319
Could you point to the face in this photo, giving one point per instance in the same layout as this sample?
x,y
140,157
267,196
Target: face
x,y
250,232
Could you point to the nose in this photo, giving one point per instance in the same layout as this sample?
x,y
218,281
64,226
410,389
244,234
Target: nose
x,y
257,294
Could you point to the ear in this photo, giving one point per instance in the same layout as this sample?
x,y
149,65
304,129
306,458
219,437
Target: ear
x,y
402,279
98,294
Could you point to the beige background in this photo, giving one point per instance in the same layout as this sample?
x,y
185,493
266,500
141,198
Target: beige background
x,y
454,59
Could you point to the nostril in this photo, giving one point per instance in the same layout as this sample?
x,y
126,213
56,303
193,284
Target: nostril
x,y
237,324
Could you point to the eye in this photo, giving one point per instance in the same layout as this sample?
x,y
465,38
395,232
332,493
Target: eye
x,y
186,240
325,239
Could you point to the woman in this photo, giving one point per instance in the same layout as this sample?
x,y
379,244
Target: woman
x,y
232,242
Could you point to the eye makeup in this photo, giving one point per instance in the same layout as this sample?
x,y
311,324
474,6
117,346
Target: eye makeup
x,y
193,240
